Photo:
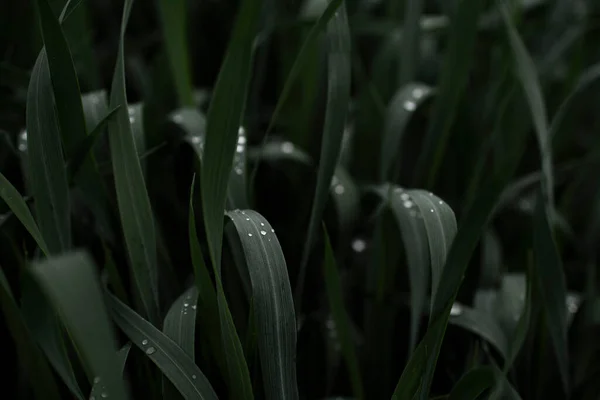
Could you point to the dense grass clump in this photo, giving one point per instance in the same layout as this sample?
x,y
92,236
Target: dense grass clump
x,y
368,199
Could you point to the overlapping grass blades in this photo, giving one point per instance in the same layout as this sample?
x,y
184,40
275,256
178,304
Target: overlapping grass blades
x,y
338,96
132,196
71,283
173,362
272,303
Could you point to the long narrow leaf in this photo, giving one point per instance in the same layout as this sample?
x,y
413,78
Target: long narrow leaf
x,y
338,96
473,384
132,196
411,41
99,389
272,302
71,282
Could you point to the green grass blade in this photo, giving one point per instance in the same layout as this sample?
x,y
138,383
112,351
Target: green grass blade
x,y
481,324
526,72
95,107
551,281
440,225
346,198
174,363
341,319
173,14
401,108
224,118
338,97
416,246
17,205
31,358
132,196
98,388
411,41
237,372
71,283
237,187
302,57
272,301
180,326
47,172
472,384
453,82
45,327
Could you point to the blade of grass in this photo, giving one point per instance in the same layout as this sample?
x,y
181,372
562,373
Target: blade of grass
x,y
180,326
95,107
338,97
132,196
17,205
526,72
71,283
455,74
224,116
341,319
401,108
551,281
346,198
272,302
48,184
30,357
174,363
472,384
173,14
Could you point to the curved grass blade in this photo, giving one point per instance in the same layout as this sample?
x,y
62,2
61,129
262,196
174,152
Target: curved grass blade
x,y
17,205
481,324
272,301
338,98
32,359
174,363
401,108
455,73
98,388
416,246
132,196
440,225
551,280
224,117
180,326
346,198
276,150
48,183
95,107
71,283
341,319
173,17
472,384
526,72
46,329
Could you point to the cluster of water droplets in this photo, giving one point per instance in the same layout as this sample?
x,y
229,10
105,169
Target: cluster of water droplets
x,y
238,158
22,141
98,387
263,228
337,186
187,306
411,103
132,113
332,333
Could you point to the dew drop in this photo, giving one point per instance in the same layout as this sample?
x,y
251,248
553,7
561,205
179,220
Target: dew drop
x,y
96,380
247,219
241,130
410,105
186,304
131,120
239,148
196,139
193,376
456,309
104,395
431,210
440,202
22,147
145,342
194,307
24,135
239,171
405,196
249,234
262,224
417,93
150,350
263,233
272,230
178,118
242,140
408,204
359,245
287,147
339,189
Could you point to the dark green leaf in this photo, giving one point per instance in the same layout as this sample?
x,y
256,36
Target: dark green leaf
x,y
98,388
71,283
132,196
272,302
472,384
